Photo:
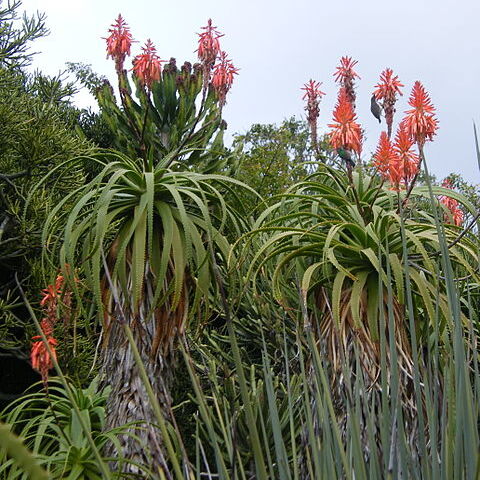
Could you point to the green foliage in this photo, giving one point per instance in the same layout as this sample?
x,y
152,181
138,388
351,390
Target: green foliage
x,y
86,76
37,136
333,232
341,343
54,89
168,119
14,448
50,428
14,38
38,133
273,157
311,432
153,220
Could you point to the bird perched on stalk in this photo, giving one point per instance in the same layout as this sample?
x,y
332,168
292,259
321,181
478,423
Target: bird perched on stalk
x,y
346,156
375,109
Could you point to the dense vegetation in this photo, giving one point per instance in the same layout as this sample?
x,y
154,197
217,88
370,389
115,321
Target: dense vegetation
x,y
284,308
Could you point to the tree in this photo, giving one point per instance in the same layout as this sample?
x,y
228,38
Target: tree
x,y
38,134
147,232
274,157
14,41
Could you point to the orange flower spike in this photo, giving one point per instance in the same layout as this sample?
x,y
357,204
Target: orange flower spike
x,y
147,66
345,76
387,90
208,44
40,357
457,216
119,42
345,70
452,205
346,132
47,326
222,77
49,295
403,148
313,95
395,173
388,87
59,283
449,202
384,155
410,170
420,121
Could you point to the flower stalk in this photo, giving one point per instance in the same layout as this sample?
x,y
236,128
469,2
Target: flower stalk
x,y
313,95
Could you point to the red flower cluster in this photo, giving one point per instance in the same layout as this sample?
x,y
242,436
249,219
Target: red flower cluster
x,y
39,355
119,42
387,90
147,65
384,156
222,77
208,44
313,95
396,162
420,121
345,76
456,214
408,159
346,132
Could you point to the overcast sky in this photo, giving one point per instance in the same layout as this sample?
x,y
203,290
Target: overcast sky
x,y
278,45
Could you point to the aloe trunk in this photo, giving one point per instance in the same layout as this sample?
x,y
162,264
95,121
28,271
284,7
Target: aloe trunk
x,y
368,360
128,400
154,333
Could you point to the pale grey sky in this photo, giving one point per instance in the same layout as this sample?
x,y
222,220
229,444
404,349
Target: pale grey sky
x,y
279,45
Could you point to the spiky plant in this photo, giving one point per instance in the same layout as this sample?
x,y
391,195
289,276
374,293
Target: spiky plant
x,y
148,229
349,253
144,237
50,428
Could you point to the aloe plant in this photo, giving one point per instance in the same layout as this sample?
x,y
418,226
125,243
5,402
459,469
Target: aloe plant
x,y
146,229
347,250
51,429
142,235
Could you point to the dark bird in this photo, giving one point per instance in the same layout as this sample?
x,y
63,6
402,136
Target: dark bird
x,y
346,156
375,109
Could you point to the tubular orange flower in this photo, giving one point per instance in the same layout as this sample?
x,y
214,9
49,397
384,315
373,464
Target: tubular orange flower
x,y
408,159
52,292
457,217
387,90
49,295
345,76
420,121
208,44
346,132
222,77
384,155
147,66
456,213
395,173
40,357
47,326
119,42
313,95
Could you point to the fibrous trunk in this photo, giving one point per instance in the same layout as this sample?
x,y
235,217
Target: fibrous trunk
x,y
154,332
354,364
